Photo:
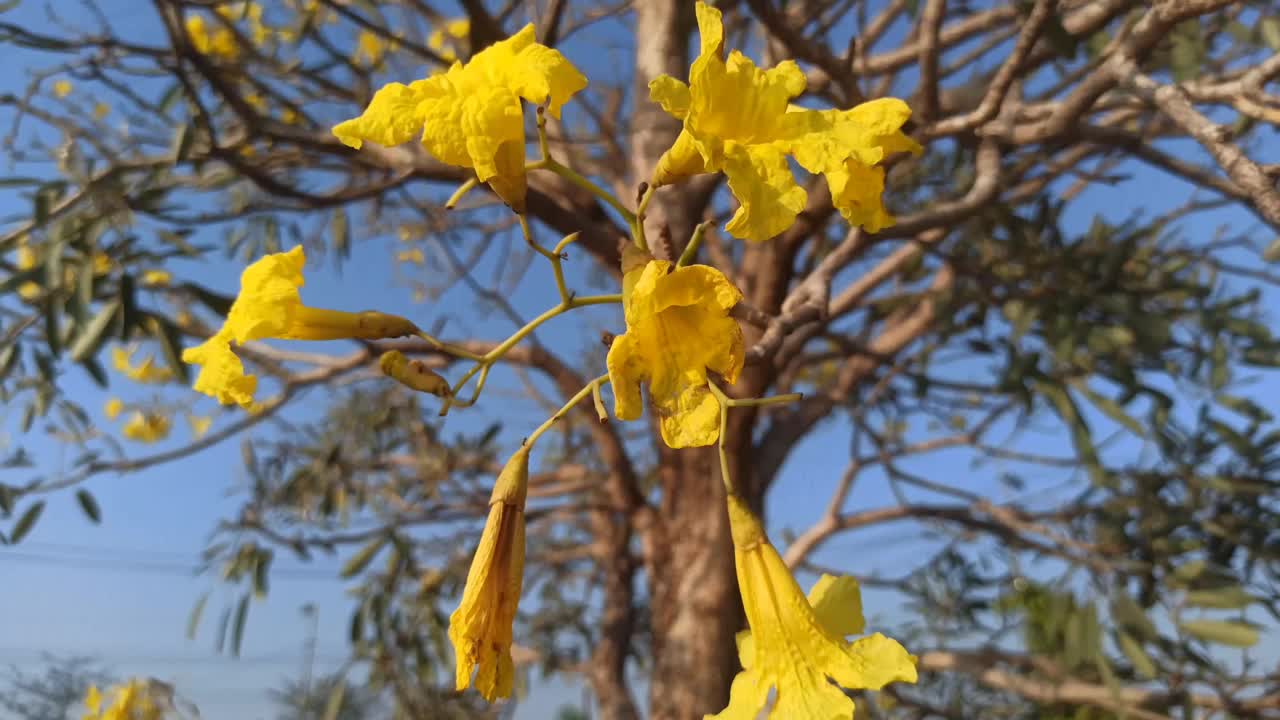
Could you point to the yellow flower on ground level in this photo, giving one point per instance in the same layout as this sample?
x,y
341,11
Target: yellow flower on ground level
x,y
413,374
200,424
471,115
62,88
147,427
134,700
796,646
113,408
738,120
154,278
678,327
480,629
217,42
446,41
269,306
144,372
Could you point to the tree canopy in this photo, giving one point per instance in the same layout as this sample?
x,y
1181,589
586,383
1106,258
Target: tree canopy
x,y
972,302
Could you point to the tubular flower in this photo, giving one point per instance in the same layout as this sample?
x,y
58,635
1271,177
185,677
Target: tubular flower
x,y
796,645
219,42
738,120
470,115
144,372
413,374
147,427
135,700
678,327
269,306
480,629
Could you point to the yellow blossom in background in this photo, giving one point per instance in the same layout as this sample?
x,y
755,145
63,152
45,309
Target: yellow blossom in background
x,y
113,408
217,42
27,259
102,264
289,116
446,41
371,48
738,119
148,427
134,700
156,278
251,13
200,424
62,88
269,306
256,101
101,110
144,372
480,629
414,256
797,646
471,115
678,327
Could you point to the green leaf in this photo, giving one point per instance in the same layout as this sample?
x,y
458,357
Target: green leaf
x,y
358,562
1113,410
6,500
1270,30
1081,437
334,705
197,612
1127,613
1222,632
90,339
89,505
1133,650
341,229
237,627
26,522
170,338
96,371
1232,597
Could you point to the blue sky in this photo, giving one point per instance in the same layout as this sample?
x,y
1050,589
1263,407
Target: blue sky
x,y
119,592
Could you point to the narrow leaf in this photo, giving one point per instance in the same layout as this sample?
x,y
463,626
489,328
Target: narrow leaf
x,y
89,505
1222,632
26,522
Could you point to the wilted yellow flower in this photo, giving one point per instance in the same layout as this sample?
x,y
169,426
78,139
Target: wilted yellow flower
x,y
796,645
147,427
447,40
678,327
27,259
219,42
144,372
131,701
200,424
480,629
738,120
471,116
154,278
413,374
62,88
269,306
113,408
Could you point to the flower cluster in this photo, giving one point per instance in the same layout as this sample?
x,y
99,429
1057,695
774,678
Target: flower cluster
x,y
134,700
681,338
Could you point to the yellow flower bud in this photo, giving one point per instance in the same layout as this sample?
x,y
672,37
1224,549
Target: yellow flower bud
x,y
413,374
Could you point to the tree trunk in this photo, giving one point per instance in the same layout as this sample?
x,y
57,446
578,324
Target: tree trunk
x,y
695,603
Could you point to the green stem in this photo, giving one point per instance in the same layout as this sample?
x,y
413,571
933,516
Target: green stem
x,y
695,241
591,388
462,190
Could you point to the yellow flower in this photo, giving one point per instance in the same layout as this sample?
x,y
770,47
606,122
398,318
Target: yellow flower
x,y
144,372
471,116
200,424
219,43
101,263
738,120
147,427
113,408
131,701
480,629
446,41
62,88
678,327
796,646
252,12
414,256
269,306
101,110
370,47
413,374
289,116
27,259
154,278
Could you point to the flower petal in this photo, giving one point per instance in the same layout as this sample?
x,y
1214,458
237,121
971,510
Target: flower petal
x,y
627,369
393,117
671,94
873,662
746,699
770,198
543,75
837,603
268,297
683,159
695,285
857,191
221,372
